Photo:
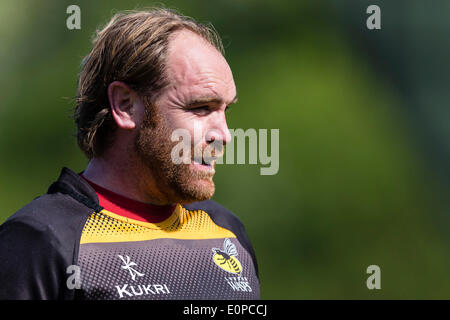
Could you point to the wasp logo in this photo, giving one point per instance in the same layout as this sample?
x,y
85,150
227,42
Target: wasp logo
x,y
128,266
226,258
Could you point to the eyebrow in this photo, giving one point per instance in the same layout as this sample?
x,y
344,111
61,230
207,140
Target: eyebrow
x,y
207,100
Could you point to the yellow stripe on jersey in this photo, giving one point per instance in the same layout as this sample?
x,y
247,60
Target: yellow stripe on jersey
x,y
107,226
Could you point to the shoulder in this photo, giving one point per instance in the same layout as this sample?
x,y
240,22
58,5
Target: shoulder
x,y
27,240
219,214
35,217
56,216
226,219
37,244
50,225
32,257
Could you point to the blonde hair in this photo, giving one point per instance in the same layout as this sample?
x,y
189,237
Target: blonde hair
x,y
131,48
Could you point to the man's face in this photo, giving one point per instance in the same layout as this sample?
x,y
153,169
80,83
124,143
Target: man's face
x,y
201,87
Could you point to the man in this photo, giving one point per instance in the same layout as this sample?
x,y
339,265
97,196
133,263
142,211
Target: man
x,y
137,223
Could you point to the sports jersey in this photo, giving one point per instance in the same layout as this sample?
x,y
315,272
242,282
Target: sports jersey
x,y
64,245
126,207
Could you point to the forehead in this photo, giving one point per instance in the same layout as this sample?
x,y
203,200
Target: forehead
x,y
195,67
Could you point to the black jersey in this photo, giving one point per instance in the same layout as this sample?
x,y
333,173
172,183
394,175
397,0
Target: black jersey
x,y
64,245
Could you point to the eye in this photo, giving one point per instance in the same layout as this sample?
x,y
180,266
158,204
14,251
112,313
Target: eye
x,y
201,109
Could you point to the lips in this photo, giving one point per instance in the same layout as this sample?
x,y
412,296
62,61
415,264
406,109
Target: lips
x,y
206,160
203,166
202,163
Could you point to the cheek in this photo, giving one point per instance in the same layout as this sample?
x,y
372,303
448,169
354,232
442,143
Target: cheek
x,y
196,127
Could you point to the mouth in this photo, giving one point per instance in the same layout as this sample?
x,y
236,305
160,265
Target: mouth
x,y
203,165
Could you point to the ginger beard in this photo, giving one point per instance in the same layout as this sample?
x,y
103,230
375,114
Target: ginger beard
x,y
179,183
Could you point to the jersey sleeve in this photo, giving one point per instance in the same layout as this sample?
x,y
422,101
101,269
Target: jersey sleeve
x,y
31,267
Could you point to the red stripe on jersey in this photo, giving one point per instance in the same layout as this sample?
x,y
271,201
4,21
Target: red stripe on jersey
x,y
130,208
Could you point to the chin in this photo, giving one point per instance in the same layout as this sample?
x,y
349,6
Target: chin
x,y
199,190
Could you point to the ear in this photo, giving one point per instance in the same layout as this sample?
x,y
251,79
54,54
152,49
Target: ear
x,y
121,99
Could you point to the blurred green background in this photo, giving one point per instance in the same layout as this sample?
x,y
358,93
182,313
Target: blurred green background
x,y
364,135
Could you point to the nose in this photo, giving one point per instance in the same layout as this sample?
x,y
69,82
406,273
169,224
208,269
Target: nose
x,y
219,130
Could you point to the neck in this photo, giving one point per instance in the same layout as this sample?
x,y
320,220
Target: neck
x,y
126,180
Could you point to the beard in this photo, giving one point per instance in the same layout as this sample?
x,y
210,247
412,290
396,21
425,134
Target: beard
x,y
176,183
